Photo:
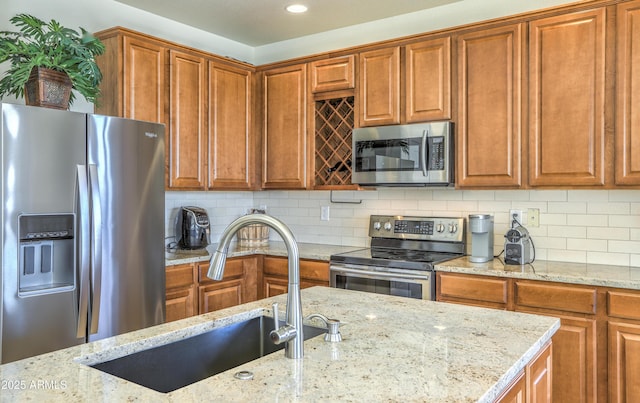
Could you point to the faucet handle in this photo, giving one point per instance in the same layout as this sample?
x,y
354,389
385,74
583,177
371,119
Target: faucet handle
x,y
276,319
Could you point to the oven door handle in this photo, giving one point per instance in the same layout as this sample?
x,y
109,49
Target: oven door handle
x,y
377,274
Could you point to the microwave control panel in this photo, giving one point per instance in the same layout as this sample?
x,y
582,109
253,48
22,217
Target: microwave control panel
x,y
435,160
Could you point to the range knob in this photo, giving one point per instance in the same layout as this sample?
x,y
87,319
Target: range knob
x,y
453,228
377,225
440,228
387,226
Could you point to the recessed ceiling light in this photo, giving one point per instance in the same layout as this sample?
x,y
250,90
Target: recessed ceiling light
x,y
296,8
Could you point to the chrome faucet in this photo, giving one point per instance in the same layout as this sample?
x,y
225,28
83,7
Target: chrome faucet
x,y
292,332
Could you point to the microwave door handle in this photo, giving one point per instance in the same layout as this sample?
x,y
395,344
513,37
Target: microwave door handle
x,y
96,247
425,150
82,193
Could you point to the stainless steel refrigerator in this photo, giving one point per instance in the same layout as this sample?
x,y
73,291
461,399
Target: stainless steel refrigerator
x,y
82,228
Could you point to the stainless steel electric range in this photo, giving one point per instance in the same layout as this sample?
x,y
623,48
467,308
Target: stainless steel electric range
x,y
400,260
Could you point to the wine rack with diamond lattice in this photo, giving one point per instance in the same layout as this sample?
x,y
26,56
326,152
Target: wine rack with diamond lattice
x,y
334,124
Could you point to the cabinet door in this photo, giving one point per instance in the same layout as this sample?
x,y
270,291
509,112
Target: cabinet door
x,y
187,134
333,74
515,393
627,159
624,362
285,128
230,140
144,81
220,295
428,80
566,99
134,78
380,87
181,300
491,292
539,377
489,130
180,303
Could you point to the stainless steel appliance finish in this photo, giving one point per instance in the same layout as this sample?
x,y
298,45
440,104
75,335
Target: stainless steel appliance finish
x,y
401,257
481,228
82,228
419,154
192,228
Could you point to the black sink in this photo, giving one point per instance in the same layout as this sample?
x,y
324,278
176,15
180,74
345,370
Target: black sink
x,y
175,365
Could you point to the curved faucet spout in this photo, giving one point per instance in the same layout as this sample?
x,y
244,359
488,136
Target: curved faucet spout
x,y
294,347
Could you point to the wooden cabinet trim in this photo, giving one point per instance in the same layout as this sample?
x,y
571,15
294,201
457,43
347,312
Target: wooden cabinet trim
x,y
539,375
555,297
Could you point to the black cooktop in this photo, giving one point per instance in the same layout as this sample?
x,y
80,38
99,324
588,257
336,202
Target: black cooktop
x,y
393,257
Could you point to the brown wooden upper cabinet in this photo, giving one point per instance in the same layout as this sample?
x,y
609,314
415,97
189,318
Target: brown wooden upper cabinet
x,y
231,143
209,142
426,74
134,79
566,99
284,127
428,80
489,128
337,73
187,142
379,87
627,165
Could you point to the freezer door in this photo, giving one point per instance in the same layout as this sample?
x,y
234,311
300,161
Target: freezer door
x,y
41,150
126,176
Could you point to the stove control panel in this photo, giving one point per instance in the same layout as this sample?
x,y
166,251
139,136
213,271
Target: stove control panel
x,y
449,229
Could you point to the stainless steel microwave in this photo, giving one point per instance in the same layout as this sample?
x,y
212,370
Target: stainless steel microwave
x,y
420,154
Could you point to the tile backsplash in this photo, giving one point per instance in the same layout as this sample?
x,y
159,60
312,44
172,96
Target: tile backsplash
x,y
583,226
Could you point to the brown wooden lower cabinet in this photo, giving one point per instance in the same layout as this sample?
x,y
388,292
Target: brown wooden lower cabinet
x,y
533,384
181,298
624,346
579,346
248,278
275,272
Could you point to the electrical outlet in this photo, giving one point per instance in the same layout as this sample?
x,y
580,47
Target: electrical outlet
x,y
324,213
515,218
533,217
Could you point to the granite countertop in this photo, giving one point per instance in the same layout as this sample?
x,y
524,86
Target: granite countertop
x,y
393,348
311,251
562,272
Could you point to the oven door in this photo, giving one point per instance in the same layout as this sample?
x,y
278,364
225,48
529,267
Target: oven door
x,y
418,285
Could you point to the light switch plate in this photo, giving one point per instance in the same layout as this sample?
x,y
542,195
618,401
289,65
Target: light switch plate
x,y
324,213
533,217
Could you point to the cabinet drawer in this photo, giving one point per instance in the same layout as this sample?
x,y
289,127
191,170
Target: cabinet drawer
x,y
179,276
624,305
474,288
556,297
232,268
309,269
334,74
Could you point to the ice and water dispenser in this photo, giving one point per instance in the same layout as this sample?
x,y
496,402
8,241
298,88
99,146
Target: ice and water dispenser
x,y
46,259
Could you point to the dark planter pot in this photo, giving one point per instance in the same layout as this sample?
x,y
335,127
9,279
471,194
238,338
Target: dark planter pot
x,y
48,88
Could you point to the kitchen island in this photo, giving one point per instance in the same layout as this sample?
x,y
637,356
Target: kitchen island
x,y
393,348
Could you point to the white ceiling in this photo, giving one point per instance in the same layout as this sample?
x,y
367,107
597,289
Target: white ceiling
x,y
262,22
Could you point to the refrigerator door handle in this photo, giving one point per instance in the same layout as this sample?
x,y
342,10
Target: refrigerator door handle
x,y
83,247
96,248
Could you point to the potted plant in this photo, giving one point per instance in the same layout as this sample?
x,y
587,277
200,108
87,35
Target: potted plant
x,y
54,51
